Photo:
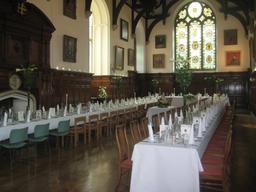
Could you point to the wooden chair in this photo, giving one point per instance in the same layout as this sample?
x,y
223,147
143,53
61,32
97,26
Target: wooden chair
x,y
124,156
104,124
93,125
113,118
216,169
155,123
144,127
135,131
79,128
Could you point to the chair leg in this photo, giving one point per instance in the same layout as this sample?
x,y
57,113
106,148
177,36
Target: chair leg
x,y
62,141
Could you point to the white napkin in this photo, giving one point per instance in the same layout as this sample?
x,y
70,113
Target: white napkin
x,y
197,121
79,108
150,132
28,116
5,119
58,109
49,113
170,122
65,111
43,109
191,140
162,121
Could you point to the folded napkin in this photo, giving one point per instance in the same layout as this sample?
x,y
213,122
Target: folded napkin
x,y
5,119
150,132
28,116
191,140
38,114
198,121
58,109
170,122
65,111
49,113
43,109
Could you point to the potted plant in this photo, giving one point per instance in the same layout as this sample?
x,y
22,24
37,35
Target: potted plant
x,y
155,84
183,74
29,78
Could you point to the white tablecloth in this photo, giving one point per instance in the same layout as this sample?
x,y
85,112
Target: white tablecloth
x,y
161,167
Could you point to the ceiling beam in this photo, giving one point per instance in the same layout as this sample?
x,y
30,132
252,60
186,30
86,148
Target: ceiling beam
x,y
116,8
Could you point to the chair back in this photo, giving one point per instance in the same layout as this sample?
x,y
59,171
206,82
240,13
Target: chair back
x,y
104,116
94,118
41,130
18,135
80,121
135,131
122,142
144,126
155,123
64,126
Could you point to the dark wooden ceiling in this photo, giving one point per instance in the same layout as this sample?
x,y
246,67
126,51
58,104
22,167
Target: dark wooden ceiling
x,y
155,11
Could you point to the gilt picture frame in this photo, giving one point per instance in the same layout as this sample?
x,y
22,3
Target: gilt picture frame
x,y
119,58
131,57
160,41
158,60
230,37
124,30
69,8
69,49
233,58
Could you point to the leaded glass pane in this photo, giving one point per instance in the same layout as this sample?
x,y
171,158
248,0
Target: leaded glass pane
x,y
181,40
195,36
209,45
194,9
195,45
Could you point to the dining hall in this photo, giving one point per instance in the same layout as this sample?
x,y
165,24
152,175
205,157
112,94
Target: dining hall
x,y
127,95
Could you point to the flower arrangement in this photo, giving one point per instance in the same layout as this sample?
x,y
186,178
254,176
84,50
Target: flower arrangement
x,y
102,92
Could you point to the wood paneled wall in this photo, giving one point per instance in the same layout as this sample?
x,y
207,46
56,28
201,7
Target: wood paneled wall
x,y
252,92
235,84
126,88
53,85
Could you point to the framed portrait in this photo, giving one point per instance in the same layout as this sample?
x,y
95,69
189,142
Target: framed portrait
x,y
230,37
69,49
233,58
124,30
69,8
119,58
158,60
160,41
131,57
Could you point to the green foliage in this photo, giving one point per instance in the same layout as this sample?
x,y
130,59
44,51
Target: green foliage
x,y
118,81
29,75
183,74
155,84
214,81
102,92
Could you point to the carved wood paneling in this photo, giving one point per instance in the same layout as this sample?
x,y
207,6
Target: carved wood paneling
x,y
252,92
235,84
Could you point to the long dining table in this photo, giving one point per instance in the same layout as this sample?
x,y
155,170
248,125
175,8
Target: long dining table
x,y
53,121
171,166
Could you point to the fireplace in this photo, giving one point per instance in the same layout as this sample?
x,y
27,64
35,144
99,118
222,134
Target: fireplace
x,y
17,100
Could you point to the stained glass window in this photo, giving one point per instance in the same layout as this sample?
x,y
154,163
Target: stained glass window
x,y
195,37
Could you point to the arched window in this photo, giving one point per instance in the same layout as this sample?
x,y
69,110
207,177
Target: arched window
x,y
99,38
195,36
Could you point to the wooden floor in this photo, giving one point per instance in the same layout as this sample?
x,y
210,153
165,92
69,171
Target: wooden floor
x,y
95,169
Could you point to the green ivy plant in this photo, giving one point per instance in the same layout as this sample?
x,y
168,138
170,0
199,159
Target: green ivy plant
x,y
183,74
155,84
